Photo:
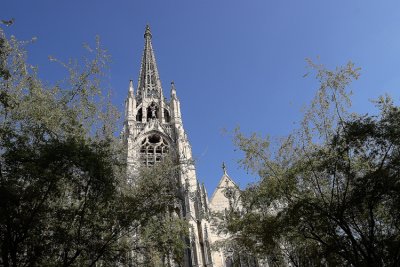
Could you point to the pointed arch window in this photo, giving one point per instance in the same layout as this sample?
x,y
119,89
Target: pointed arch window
x,y
194,253
207,249
139,115
167,118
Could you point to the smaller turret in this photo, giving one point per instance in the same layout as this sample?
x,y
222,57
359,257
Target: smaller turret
x,y
130,103
175,105
131,89
173,90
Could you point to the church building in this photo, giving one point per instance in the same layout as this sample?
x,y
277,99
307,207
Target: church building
x,y
153,127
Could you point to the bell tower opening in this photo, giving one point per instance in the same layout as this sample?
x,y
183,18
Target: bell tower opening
x,y
167,118
139,115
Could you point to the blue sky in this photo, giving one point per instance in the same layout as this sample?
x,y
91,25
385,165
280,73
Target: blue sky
x,y
234,63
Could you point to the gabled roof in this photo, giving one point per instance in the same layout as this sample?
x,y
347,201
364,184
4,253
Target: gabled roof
x,y
224,182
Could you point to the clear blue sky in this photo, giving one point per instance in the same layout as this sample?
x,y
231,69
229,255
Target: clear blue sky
x,y
233,62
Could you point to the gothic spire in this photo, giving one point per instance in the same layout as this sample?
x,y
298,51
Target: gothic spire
x,y
149,84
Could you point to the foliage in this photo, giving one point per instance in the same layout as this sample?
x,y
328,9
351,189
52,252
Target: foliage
x,y
64,196
329,194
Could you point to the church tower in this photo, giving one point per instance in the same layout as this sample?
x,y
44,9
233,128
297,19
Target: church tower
x,y
153,128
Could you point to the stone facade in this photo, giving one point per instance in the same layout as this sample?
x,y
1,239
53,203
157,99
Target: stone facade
x,y
153,127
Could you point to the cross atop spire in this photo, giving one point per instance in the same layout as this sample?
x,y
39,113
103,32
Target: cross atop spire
x,y
224,168
149,85
147,33
173,90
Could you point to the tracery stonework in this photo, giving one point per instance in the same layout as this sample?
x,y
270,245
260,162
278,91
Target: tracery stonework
x,y
152,128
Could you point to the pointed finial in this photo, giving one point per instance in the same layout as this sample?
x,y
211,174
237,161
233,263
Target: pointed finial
x,y
173,90
147,32
131,89
224,167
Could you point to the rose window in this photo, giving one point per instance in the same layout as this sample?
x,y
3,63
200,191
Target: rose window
x,y
153,149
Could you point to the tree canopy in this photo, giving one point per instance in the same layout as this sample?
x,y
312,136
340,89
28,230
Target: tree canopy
x,y
64,196
328,194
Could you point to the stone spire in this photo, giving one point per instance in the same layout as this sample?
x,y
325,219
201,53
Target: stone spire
x,y
149,85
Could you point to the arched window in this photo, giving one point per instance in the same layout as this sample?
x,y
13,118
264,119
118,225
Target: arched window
x,y
139,115
207,248
208,252
152,149
229,257
166,116
229,262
